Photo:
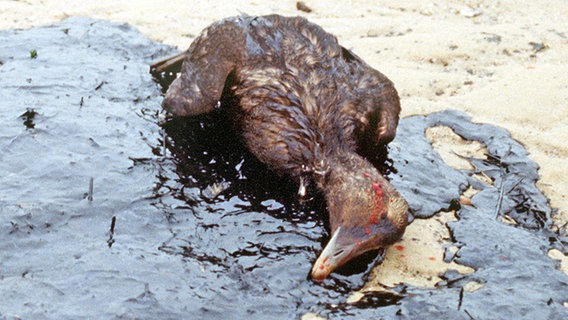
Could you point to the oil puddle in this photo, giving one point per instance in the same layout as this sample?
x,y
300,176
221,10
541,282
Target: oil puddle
x,y
181,220
28,118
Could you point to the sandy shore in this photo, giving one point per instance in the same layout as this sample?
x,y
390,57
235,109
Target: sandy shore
x,y
503,63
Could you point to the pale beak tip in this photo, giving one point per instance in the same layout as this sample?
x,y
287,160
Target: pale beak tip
x,y
328,259
319,272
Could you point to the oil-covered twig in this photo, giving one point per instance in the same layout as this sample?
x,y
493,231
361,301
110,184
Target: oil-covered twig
x,y
100,85
502,194
500,199
90,194
110,240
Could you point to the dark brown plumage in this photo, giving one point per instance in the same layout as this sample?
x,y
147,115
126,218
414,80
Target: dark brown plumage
x,y
305,106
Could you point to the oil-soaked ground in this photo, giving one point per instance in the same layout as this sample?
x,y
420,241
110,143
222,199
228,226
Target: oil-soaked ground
x,y
153,240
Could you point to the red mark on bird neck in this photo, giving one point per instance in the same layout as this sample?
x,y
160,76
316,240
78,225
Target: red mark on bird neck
x,y
377,188
377,201
399,247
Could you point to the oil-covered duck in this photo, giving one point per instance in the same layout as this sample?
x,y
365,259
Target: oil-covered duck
x,y
306,107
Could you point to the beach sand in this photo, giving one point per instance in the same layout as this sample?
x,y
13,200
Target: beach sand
x,y
501,62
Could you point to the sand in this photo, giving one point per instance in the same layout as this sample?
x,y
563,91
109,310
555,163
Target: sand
x,y
502,62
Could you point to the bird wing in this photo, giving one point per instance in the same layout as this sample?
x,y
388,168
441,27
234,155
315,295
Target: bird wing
x,y
377,107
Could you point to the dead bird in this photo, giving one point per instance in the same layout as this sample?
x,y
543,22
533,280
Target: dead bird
x,y
307,107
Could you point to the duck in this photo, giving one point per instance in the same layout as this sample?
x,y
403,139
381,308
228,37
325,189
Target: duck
x,y
306,107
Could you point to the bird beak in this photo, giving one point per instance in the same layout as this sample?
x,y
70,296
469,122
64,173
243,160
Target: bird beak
x,y
338,250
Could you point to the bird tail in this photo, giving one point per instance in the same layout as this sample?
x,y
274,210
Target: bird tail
x,y
171,64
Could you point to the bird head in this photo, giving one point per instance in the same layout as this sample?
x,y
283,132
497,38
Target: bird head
x,y
365,213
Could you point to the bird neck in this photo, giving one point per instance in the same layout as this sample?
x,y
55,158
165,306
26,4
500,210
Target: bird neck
x,y
349,180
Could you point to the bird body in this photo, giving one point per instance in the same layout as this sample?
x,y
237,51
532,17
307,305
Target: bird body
x,y
308,108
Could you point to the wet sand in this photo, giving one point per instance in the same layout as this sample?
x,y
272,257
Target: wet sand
x,y
503,64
